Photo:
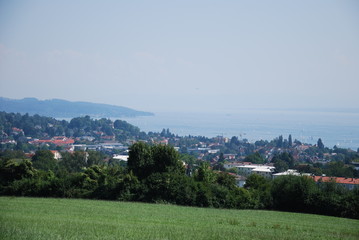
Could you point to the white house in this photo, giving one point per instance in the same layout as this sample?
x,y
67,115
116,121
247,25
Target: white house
x,y
291,172
263,170
120,157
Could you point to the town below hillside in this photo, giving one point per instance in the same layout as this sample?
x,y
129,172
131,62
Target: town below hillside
x,y
105,159
112,138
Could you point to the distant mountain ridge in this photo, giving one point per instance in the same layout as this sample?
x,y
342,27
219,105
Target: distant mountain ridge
x,y
66,109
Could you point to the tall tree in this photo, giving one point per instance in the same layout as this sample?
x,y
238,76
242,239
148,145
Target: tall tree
x,y
140,160
205,174
290,142
320,144
221,158
145,160
280,141
166,159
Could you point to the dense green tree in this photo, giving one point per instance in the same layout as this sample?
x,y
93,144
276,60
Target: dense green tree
x,y
74,162
166,159
283,161
140,160
11,170
44,160
290,142
292,193
226,180
11,154
280,166
126,127
220,167
205,174
221,158
234,141
255,158
255,181
129,189
307,168
145,160
170,188
95,158
320,144
259,189
339,169
260,143
280,141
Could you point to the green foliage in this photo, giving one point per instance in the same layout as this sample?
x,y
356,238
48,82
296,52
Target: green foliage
x,y
74,162
340,169
170,188
11,170
140,160
320,144
280,165
124,126
205,174
290,141
41,184
226,180
255,158
129,189
11,154
145,160
292,193
34,126
259,189
156,175
255,181
40,127
283,161
44,160
166,159
233,170
221,158
279,141
95,158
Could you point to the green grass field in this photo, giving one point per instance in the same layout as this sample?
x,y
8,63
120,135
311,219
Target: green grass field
x,y
41,218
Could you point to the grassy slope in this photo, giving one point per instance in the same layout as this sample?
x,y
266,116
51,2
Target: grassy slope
x,y
37,218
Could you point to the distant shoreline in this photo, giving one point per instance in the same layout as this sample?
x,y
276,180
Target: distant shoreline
x,y
59,108
339,129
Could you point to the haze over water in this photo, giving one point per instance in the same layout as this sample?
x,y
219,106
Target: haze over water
x,y
333,127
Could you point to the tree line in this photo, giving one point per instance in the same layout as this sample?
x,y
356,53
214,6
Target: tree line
x,y
155,173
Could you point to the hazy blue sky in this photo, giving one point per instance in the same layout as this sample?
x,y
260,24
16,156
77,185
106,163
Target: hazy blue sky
x,y
176,55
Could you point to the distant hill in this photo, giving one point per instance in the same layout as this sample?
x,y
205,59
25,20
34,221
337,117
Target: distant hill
x,y
66,109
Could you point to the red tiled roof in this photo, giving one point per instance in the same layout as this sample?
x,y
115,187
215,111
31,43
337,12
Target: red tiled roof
x,y
341,180
59,141
29,155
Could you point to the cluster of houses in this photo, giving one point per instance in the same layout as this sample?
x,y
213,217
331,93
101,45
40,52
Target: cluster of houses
x,y
209,151
58,141
245,169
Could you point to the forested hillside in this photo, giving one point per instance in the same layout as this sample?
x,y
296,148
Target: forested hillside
x,y
66,109
19,126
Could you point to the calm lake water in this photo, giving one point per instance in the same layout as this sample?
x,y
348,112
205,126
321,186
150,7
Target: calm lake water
x,y
333,127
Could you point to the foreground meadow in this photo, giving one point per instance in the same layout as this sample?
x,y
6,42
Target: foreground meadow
x,y
41,218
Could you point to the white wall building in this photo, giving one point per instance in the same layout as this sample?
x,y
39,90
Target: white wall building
x,y
263,170
291,172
